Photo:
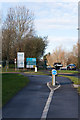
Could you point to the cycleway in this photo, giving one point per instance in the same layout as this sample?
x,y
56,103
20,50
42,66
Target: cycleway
x,y
31,100
65,101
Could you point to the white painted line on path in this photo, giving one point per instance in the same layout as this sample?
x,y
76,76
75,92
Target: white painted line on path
x,y
46,108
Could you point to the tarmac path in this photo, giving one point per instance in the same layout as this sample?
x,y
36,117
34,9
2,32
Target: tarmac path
x,y
65,101
31,100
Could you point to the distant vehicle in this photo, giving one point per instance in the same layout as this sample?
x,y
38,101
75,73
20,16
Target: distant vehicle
x,y
57,66
71,67
63,68
50,67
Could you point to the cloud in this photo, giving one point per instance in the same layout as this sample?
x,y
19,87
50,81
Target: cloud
x,y
60,23
65,42
51,16
62,39
57,15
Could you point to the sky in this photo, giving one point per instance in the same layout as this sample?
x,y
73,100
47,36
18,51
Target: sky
x,y
57,19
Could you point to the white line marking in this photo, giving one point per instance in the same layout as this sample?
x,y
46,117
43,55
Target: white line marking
x,y
46,108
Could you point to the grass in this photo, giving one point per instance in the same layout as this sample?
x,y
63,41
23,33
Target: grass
x,y
27,71
67,71
49,72
36,73
64,72
10,70
11,84
39,71
32,71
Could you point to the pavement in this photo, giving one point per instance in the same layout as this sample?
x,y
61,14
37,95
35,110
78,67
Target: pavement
x,y
31,100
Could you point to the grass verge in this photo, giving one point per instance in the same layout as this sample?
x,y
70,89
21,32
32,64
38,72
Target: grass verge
x,y
37,73
10,70
68,71
11,84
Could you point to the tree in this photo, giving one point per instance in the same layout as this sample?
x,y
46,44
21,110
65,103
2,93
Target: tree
x,y
61,55
58,55
18,24
78,55
73,55
0,41
19,35
49,58
35,47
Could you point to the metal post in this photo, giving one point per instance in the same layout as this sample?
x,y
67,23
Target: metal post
x,y
53,80
15,66
54,72
6,65
15,63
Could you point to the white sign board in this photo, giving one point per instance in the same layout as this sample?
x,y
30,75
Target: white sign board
x,y
20,59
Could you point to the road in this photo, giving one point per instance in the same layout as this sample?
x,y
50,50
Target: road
x,y
31,100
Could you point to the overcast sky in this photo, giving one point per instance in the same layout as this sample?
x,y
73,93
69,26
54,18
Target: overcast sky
x,y
56,19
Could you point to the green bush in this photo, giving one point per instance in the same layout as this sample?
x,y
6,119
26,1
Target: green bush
x,y
11,65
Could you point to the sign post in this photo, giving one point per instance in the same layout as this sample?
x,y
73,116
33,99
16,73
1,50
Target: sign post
x,y
6,65
54,72
15,63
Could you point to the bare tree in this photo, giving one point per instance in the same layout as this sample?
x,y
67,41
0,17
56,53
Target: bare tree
x,y
78,55
58,55
19,35
61,55
73,55
49,58
17,26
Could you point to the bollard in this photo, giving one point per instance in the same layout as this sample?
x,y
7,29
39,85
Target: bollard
x,y
54,72
35,69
